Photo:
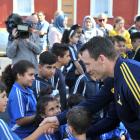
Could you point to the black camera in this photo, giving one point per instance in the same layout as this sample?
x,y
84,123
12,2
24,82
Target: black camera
x,y
15,21
23,30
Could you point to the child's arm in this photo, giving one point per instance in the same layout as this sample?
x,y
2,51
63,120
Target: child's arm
x,y
40,130
25,120
78,67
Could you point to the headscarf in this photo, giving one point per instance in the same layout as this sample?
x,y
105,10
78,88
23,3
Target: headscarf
x,y
58,22
92,20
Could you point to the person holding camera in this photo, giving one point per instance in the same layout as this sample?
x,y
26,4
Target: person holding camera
x,y
23,44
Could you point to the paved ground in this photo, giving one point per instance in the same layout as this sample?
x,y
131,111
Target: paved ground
x,y
4,61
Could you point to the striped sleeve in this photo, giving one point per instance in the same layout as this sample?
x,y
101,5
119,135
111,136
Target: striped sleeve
x,y
131,81
6,133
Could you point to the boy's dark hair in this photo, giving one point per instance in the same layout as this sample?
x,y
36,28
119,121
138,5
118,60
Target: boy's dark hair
x,y
135,36
9,75
65,37
100,45
74,99
47,57
40,109
137,18
59,49
46,91
119,38
2,87
79,119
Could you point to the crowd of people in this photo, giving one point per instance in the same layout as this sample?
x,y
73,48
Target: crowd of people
x,y
71,83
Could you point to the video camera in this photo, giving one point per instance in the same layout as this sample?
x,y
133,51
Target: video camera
x,y
15,21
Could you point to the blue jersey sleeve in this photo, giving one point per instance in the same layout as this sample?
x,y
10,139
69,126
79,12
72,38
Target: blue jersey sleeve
x,y
6,133
16,105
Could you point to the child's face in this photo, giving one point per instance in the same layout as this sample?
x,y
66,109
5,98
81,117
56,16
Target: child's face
x,y
136,43
52,109
74,39
3,101
65,59
27,78
120,46
47,71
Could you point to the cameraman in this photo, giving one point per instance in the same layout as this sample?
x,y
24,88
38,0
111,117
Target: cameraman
x,y
22,45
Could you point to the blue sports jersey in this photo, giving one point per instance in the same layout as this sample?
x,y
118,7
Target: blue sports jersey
x,y
47,137
65,133
73,52
21,103
6,133
39,84
86,86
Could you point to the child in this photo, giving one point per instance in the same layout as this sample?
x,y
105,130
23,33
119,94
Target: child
x,y
73,99
5,131
21,103
119,43
47,106
71,37
135,38
61,51
78,120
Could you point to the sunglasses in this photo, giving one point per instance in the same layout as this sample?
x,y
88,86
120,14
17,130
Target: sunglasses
x,y
100,20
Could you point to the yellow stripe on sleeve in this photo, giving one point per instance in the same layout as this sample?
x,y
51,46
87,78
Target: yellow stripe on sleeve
x,y
130,83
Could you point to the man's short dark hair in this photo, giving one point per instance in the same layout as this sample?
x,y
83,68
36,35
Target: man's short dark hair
x,y
47,57
59,49
100,45
135,36
79,119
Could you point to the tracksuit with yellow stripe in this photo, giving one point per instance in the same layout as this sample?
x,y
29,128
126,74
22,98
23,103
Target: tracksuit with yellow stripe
x,y
126,91
127,94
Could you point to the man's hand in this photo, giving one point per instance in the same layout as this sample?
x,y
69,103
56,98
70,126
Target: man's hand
x,y
14,32
53,120
48,127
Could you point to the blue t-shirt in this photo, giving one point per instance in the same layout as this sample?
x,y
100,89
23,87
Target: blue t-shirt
x,y
21,103
46,137
65,133
6,133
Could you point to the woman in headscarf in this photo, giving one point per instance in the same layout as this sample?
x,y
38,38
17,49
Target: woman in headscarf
x,y
57,29
89,28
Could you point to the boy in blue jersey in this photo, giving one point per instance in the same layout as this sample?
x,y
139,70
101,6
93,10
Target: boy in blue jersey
x,y
46,70
61,51
78,120
135,39
72,100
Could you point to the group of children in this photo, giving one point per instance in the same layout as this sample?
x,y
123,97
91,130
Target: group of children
x,y
33,98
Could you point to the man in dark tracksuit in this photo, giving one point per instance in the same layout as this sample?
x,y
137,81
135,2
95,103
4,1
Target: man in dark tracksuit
x,y
101,61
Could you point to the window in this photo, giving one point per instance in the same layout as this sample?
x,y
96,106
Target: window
x,y
101,6
138,7
23,7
